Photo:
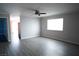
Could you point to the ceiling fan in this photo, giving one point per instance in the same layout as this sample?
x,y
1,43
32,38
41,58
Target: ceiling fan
x,y
37,12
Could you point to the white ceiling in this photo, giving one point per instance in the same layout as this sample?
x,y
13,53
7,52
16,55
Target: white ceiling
x,y
27,9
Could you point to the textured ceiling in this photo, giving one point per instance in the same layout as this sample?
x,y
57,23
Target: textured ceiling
x,y
27,9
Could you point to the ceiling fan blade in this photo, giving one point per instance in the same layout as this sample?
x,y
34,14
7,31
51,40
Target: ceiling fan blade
x,y
36,12
42,13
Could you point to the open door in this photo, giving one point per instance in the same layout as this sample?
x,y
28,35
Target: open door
x,y
3,30
19,34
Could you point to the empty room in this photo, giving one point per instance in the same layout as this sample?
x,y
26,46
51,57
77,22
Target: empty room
x,y
39,29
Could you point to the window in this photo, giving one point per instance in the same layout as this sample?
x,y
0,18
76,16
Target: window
x,y
55,24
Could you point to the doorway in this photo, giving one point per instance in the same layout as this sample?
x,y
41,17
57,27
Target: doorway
x,y
15,27
3,30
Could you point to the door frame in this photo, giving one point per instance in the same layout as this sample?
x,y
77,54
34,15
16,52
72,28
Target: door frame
x,y
8,25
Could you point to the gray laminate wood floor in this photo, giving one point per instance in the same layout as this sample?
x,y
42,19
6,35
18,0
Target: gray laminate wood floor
x,y
38,46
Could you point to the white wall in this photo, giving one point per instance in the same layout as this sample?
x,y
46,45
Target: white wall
x,y
71,28
30,27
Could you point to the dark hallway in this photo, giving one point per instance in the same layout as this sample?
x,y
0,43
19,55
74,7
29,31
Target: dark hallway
x,y
3,29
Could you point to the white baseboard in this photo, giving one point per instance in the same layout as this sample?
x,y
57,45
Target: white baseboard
x,y
76,43
30,37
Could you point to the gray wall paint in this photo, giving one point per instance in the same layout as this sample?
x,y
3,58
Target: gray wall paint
x,y
71,28
30,27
